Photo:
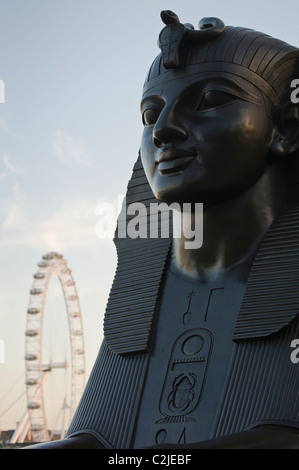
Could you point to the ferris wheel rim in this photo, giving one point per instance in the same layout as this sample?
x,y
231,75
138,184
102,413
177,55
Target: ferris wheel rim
x,y
51,264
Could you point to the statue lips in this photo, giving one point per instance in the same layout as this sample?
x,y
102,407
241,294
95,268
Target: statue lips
x,y
173,161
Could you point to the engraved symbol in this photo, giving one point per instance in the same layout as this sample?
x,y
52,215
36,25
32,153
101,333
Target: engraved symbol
x,y
192,345
187,314
161,436
182,439
185,377
182,392
215,296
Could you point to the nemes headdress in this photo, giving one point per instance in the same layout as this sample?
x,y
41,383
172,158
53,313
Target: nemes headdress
x,y
266,62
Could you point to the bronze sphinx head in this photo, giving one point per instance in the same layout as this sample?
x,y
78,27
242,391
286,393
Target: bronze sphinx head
x,y
216,110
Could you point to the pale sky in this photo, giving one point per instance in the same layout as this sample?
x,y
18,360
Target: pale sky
x,y
70,131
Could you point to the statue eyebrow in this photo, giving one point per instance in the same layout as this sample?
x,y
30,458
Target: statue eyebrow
x,y
232,84
153,96
155,90
209,81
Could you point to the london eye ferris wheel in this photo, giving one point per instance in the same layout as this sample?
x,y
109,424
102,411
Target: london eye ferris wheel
x,y
43,360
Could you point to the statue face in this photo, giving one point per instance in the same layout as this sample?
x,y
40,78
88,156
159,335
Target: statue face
x,y
206,138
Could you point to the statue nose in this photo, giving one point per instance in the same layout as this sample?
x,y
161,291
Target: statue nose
x,y
168,129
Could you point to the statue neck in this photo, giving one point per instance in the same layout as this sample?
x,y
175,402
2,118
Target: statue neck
x,y
231,230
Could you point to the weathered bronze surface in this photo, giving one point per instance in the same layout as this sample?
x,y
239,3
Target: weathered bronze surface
x,y
197,350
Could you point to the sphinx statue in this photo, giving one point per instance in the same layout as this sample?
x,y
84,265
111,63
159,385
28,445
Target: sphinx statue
x,y
197,340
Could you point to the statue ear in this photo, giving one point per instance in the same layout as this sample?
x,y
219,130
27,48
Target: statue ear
x,y
286,133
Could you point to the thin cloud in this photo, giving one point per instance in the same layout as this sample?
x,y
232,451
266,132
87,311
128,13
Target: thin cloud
x,y
71,226
69,151
11,168
4,126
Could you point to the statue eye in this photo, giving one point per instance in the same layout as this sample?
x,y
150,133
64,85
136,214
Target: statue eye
x,y
213,99
150,116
